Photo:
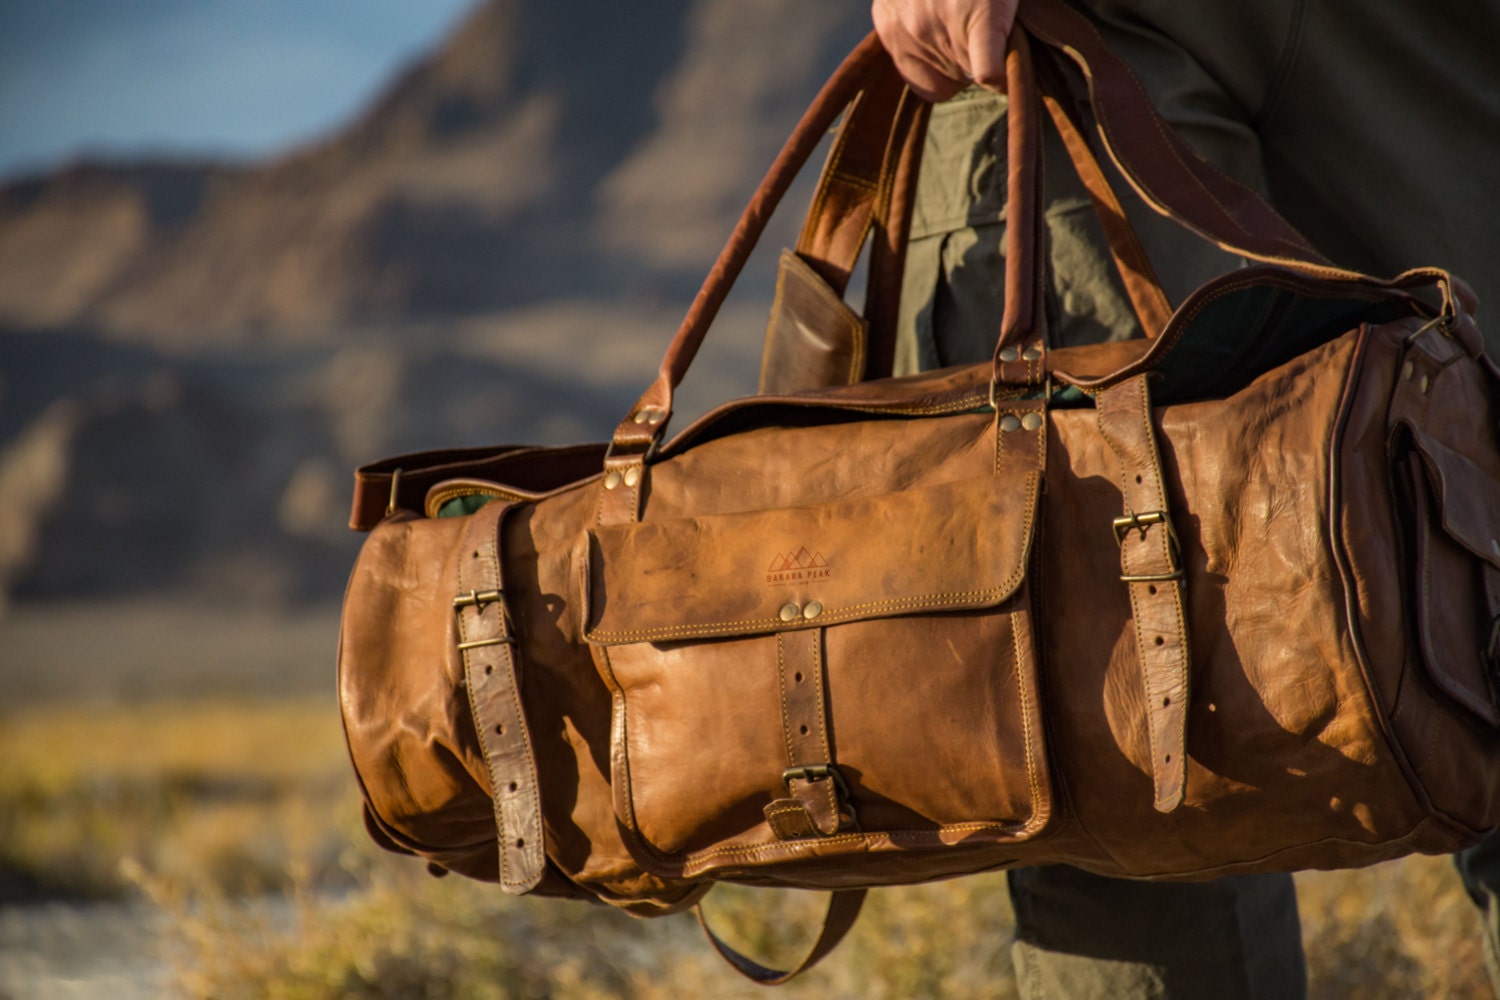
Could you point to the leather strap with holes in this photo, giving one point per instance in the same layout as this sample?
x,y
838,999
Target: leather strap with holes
x,y
813,804
491,675
1151,568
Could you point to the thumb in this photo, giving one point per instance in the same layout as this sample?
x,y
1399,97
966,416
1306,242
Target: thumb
x,y
989,32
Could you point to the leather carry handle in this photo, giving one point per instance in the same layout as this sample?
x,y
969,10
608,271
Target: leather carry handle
x,y
643,426
1158,164
843,910
865,194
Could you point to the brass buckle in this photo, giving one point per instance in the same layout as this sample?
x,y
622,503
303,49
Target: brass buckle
x,y
478,599
1141,522
820,772
815,772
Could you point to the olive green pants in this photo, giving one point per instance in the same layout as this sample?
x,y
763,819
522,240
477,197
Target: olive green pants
x,y
1376,130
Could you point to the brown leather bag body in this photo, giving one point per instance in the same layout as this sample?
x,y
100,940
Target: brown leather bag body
x,y
1220,600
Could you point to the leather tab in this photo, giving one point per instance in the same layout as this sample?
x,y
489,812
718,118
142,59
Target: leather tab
x,y
790,819
620,489
491,675
1150,565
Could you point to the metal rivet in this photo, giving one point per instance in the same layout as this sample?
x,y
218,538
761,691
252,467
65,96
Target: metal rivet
x,y
813,610
789,611
1031,354
1031,421
612,479
1495,546
1408,370
1425,384
640,416
632,475
655,416
1008,354
1010,422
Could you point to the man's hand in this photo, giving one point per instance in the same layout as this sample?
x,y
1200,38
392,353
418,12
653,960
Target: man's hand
x,y
941,45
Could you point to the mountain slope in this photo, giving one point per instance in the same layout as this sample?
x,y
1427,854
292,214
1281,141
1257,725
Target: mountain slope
x,y
565,149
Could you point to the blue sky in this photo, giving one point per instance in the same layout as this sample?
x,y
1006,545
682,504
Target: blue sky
x,y
243,78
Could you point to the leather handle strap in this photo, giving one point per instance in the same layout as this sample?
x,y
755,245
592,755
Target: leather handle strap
x,y
866,64
1157,162
853,187
1151,568
491,674
889,239
1019,357
1143,287
843,910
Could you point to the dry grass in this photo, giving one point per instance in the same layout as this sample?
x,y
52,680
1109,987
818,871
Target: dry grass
x,y
217,795
240,821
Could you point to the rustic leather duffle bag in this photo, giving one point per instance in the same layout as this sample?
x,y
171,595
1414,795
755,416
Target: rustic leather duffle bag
x,y
1222,599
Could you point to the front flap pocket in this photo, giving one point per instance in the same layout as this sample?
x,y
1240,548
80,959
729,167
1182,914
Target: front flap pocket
x,y
949,547
1456,526
815,684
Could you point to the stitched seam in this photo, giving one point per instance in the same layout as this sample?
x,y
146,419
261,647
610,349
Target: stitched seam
x,y
822,720
783,270
438,497
1021,689
835,156
822,723
963,598
855,181
750,852
1136,83
1176,154
799,810
857,353
786,718
971,597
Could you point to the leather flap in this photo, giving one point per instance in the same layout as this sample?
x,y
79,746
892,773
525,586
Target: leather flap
x,y
1469,498
956,545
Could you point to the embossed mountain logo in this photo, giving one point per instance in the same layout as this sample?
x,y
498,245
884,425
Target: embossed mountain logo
x,y
798,567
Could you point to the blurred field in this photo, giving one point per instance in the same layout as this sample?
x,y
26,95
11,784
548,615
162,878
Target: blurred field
x,y
237,822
